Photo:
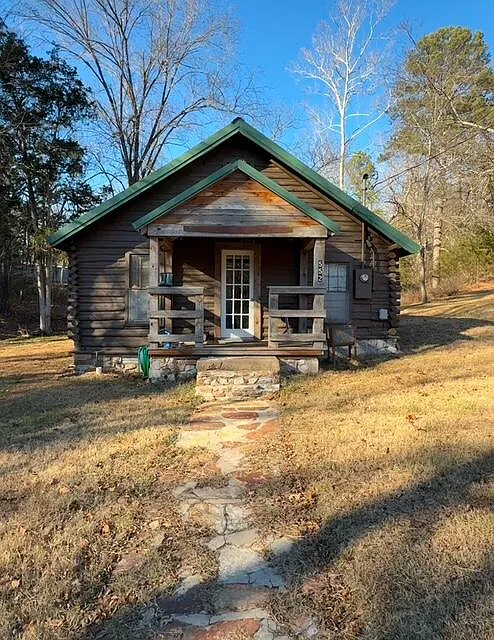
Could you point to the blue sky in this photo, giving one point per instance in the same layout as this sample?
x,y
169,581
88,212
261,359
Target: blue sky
x,y
274,31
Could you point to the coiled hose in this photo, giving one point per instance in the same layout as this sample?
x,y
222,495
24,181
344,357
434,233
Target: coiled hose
x,y
144,360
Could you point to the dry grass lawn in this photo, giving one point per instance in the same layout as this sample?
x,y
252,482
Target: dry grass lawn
x,y
87,465
384,475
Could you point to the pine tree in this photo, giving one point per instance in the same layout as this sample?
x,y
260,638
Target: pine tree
x,y
41,103
447,79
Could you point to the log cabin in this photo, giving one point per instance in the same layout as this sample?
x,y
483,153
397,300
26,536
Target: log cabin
x,y
236,248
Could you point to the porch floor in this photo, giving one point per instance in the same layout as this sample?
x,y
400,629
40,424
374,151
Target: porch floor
x,y
251,348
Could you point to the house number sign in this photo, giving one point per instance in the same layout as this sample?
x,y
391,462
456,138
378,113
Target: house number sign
x,y
320,271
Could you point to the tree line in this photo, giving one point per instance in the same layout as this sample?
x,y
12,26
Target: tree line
x,y
436,159
157,72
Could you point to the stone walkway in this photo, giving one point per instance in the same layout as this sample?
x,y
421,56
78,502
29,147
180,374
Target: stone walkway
x,y
234,606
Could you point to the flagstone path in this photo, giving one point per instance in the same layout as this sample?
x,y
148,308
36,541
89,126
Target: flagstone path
x,y
234,606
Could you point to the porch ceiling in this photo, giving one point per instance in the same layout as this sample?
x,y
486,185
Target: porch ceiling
x,y
312,223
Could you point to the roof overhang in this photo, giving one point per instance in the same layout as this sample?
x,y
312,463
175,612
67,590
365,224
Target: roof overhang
x,y
220,174
405,244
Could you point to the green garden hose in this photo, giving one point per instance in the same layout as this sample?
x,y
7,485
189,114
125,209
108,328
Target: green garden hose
x,y
144,360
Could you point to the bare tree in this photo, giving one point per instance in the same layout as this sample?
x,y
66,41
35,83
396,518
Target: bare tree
x,y
160,67
320,151
345,67
442,189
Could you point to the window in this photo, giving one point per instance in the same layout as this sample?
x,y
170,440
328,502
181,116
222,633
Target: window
x,y
137,295
337,277
337,298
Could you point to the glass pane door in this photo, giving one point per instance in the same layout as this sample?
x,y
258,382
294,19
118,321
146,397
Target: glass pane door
x,y
237,287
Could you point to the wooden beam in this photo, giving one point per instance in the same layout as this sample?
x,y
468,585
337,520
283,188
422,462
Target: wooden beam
x,y
318,322
168,265
178,313
273,305
246,231
319,256
241,350
257,292
295,289
297,313
199,320
308,245
298,337
181,291
154,261
172,337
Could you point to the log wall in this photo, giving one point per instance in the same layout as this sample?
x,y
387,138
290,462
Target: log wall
x,y
98,261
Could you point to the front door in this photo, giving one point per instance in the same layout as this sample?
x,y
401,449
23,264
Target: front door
x,y
237,289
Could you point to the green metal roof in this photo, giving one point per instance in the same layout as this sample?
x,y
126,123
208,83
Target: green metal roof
x,y
239,126
223,172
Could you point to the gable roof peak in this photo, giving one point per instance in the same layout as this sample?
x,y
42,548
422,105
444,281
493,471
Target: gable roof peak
x,y
250,172
240,127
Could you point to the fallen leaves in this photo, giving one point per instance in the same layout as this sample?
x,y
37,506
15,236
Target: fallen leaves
x,y
305,500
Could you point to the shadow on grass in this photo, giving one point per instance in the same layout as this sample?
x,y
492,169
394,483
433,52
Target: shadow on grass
x,y
427,615
416,334
66,409
428,332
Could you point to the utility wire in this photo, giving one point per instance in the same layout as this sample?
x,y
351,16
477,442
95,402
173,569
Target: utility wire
x,y
384,181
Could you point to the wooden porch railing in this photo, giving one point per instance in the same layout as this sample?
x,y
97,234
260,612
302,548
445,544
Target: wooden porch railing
x,y
161,315
316,336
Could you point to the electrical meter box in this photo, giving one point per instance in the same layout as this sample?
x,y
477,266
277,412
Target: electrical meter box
x,y
363,283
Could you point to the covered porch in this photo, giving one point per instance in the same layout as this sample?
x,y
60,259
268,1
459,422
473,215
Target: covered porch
x,y
236,265
231,296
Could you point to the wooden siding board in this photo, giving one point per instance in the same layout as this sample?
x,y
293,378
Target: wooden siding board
x,y
240,206
102,274
222,174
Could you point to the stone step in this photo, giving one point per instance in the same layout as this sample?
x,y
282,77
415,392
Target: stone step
x,y
237,377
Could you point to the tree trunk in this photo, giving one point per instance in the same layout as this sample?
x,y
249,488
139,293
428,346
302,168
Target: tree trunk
x,y
423,275
43,277
436,252
5,274
341,163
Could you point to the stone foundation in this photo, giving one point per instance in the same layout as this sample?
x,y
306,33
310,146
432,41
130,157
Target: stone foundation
x,y
85,362
172,369
374,348
303,366
247,382
124,364
235,378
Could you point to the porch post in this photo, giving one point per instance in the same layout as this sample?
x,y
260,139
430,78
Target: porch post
x,y
319,255
154,275
318,281
168,265
304,280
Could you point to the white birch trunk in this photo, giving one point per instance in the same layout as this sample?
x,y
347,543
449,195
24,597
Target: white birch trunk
x,y
44,284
